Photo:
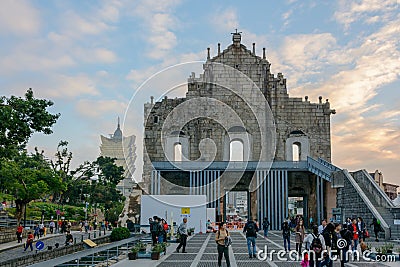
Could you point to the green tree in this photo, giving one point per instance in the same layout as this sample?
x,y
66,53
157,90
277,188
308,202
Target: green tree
x,y
20,118
29,177
24,176
61,165
98,181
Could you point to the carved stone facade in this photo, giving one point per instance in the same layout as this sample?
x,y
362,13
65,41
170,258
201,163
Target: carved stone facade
x,y
297,122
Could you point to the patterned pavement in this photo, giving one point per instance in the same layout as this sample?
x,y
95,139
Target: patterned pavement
x,y
202,252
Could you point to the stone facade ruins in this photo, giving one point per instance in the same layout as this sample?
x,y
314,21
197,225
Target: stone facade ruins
x,y
296,123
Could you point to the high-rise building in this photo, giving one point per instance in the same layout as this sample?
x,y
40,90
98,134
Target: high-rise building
x,y
123,149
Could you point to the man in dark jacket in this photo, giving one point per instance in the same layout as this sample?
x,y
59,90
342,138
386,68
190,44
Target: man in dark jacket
x,y
251,230
154,229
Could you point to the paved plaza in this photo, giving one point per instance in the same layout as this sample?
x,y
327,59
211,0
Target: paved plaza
x,y
202,252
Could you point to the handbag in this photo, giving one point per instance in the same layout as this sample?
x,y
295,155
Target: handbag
x,y
366,234
228,241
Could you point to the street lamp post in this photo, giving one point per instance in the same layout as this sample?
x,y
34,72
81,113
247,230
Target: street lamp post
x,y
86,209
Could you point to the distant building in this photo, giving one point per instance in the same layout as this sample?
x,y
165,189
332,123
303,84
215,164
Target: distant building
x,y
389,189
123,149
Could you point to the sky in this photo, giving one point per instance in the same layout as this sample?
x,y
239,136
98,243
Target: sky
x,y
90,57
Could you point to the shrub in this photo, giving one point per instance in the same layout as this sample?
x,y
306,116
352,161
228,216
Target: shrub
x,y
120,233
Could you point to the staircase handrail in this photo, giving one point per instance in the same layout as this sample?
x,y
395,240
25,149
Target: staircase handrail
x,y
366,200
381,192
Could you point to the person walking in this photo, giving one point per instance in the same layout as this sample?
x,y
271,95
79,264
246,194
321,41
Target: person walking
x,y
328,233
315,243
182,230
322,226
347,236
36,231
377,228
265,227
20,229
362,228
354,230
29,241
286,235
51,226
103,227
165,229
251,230
300,232
154,229
41,229
222,247
160,231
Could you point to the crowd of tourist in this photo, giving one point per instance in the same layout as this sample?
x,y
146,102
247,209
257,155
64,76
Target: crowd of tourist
x,y
40,230
328,239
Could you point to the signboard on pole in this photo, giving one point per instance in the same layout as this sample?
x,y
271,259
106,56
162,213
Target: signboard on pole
x,y
39,245
336,211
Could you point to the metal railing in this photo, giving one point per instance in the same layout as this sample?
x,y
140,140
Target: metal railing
x,y
107,254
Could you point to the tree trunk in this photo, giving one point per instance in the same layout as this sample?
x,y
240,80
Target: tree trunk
x,y
20,209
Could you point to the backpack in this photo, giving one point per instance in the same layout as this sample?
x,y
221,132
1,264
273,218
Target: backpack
x,y
265,224
228,239
251,229
316,244
286,231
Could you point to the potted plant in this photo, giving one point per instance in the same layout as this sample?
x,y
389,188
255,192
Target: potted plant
x,y
386,249
156,250
142,246
133,254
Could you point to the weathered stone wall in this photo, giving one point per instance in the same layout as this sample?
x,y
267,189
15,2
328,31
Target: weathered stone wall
x,y
8,235
352,204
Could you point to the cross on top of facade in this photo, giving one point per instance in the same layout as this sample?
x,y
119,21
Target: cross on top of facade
x,y
236,32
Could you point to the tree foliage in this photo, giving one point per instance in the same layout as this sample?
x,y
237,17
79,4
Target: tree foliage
x,y
20,118
61,165
96,182
29,177
26,177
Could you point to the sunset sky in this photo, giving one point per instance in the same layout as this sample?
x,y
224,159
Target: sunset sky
x,y
90,57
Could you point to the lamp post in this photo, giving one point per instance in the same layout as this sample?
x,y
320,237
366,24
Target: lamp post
x,y
42,216
86,208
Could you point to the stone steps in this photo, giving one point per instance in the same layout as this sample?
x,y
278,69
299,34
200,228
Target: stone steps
x,y
383,211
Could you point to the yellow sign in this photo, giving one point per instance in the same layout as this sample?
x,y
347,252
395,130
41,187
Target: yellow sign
x,y
185,211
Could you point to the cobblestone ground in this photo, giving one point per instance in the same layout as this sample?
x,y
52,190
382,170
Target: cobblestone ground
x,y
14,253
201,252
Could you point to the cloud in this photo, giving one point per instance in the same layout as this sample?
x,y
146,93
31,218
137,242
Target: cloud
x,y
95,55
225,19
158,22
358,11
360,141
350,75
97,108
63,86
19,18
374,63
286,17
